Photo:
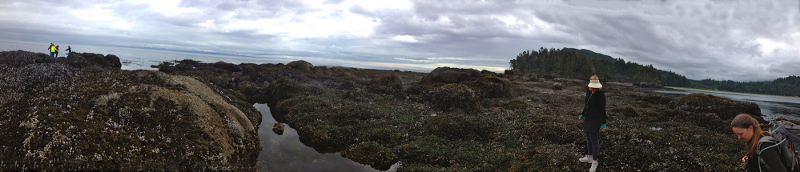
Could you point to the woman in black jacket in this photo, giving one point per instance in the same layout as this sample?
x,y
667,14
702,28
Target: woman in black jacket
x,y
594,120
747,129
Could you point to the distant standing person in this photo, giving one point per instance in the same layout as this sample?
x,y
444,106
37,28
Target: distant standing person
x,y
56,51
52,49
747,129
594,121
69,50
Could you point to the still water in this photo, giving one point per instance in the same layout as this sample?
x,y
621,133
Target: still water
x,y
286,153
771,106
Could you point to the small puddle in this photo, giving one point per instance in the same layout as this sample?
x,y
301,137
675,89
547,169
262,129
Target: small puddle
x,y
286,152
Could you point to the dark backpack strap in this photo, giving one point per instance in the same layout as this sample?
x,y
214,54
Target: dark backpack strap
x,y
766,139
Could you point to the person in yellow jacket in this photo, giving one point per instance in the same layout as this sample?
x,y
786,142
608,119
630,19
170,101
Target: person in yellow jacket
x,y
52,49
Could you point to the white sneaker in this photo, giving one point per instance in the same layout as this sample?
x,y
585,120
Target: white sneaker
x,y
586,159
594,167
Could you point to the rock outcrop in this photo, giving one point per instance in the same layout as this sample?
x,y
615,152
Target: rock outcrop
x,y
58,116
724,108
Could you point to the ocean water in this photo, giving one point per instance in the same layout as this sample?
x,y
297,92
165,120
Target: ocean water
x,y
771,106
134,58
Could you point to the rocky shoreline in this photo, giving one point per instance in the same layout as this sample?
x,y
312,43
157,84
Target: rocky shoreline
x,y
82,114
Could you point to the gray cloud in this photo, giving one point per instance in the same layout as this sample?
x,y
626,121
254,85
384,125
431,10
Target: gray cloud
x,y
739,40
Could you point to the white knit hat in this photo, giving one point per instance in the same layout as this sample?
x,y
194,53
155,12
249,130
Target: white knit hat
x,y
595,84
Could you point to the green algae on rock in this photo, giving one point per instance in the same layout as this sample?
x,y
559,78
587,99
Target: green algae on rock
x,y
64,118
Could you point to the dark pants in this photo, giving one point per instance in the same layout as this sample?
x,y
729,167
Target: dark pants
x,y
53,54
56,54
593,145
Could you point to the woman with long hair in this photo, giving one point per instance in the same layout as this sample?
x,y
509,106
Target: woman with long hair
x,y
747,129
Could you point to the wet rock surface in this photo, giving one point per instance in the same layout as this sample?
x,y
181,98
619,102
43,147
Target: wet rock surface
x,y
82,113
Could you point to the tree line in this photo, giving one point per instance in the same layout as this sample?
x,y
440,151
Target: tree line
x,y
788,86
582,64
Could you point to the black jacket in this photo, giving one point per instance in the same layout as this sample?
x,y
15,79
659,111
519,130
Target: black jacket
x,y
770,157
594,112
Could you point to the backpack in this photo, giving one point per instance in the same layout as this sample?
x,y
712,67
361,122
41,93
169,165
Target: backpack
x,y
784,135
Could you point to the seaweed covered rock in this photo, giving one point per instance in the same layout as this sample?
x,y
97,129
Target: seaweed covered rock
x,y
255,93
278,128
723,107
490,86
78,114
21,58
227,66
484,86
370,152
33,76
282,89
153,120
557,86
451,97
184,66
110,60
299,65
449,75
387,84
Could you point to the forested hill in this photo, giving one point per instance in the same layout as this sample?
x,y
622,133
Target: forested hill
x,y
788,86
582,64
590,54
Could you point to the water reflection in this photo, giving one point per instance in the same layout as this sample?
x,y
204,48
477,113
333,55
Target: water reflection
x,y
286,152
771,106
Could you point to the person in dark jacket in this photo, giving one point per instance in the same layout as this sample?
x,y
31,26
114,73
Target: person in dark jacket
x,y
69,50
594,121
747,129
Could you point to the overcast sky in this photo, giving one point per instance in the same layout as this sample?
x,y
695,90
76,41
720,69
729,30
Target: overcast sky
x,y
752,40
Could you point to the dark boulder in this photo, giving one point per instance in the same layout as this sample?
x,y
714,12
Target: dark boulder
x,y
184,66
167,68
227,66
278,128
36,75
21,58
299,65
110,60
189,62
484,86
449,75
557,86
723,107
648,84
387,84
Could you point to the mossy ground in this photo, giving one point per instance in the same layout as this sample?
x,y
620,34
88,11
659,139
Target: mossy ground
x,y
534,128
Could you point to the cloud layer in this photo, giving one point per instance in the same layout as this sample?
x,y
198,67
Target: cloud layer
x,y
740,40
